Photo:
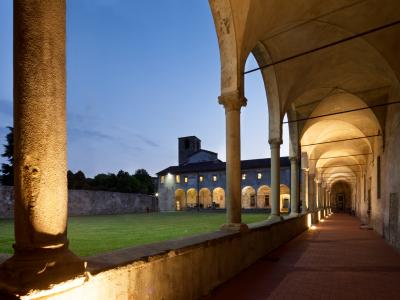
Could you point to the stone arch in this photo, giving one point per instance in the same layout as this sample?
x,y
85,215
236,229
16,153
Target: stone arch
x,y
205,198
232,58
249,197
180,199
263,57
341,196
285,198
218,197
342,160
191,197
263,197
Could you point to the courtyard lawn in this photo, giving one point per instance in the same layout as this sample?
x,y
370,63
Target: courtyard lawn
x,y
96,234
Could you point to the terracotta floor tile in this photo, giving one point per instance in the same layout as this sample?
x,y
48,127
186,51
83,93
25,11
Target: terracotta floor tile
x,y
337,261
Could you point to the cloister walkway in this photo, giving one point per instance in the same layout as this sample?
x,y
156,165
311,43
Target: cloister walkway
x,y
338,260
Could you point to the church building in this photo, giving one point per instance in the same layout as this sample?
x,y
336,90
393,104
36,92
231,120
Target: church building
x,y
199,181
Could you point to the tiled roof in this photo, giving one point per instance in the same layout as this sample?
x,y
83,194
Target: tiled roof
x,y
217,165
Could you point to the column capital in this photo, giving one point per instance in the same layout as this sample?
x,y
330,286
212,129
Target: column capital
x,y
293,159
275,142
305,170
232,101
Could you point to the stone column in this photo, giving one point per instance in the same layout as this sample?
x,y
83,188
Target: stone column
x,y
294,183
317,194
326,200
41,256
275,145
306,203
311,189
232,103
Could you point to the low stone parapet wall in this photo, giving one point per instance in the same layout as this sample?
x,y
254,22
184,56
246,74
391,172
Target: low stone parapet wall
x,y
185,269
84,202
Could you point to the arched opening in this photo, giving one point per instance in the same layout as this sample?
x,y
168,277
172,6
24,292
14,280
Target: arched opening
x,y
340,148
191,197
341,196
255,118
205,198
218,197
285,198
263,197
248,197
180,199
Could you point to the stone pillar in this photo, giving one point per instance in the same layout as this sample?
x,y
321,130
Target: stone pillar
x,y
41,256
326,199
311,191
275,179
317,194
232,103
294,183
306,203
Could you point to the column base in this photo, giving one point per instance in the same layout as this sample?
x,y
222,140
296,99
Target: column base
x,y
241,227
293,214
28,272
275,218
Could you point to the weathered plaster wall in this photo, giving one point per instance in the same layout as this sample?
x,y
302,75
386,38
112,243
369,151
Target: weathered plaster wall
x,y
182,269
82,202
391,177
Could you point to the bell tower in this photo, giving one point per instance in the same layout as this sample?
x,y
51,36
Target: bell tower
x,y
187,146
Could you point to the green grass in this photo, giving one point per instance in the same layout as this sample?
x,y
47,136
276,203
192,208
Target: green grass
x,y
96,234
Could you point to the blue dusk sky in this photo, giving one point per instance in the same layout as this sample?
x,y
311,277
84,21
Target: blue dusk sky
x,y
140,74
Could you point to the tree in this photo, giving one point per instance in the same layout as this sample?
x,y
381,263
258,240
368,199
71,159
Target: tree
x,y
7,169
123,182
146,185
126,183
77,181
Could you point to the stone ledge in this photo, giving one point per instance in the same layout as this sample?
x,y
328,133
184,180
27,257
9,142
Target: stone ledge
x,y
150,252
202,262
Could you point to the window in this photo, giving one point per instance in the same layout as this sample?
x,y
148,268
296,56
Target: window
x,y
259,176
378,176
178,179
201,178
185,179
162,179
214,178
244,176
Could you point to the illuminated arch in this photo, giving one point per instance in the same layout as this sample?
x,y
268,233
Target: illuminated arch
x,y
180,199
285,198
191,197
263,197
205,198
218,197
341,193
248,197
